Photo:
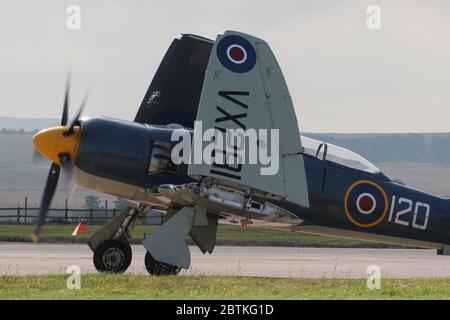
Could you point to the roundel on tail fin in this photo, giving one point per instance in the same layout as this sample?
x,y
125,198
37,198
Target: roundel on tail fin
x,y
236,53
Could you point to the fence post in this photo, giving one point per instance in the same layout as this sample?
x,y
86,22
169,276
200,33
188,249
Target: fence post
x,y
90,215
26,209
18,214
66,211
114,212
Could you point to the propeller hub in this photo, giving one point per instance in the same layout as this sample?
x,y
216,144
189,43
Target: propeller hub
x,y
53,142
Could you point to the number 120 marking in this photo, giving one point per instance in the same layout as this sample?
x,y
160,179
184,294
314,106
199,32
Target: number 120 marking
x,y
408,209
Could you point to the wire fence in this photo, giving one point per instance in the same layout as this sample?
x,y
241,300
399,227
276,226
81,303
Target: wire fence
x,y
26,215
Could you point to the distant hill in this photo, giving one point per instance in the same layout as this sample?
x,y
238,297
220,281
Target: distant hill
x,y
26,124
418,159
394,147
378,148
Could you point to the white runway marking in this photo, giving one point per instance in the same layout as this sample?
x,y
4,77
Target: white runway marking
x,y
27,258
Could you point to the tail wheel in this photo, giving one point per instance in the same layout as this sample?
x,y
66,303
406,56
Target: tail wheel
x,y
157,268
112,256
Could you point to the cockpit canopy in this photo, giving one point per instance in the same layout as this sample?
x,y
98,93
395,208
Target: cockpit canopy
x,y
339,155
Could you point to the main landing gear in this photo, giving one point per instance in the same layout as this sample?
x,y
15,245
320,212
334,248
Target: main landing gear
x,y
111,247
112,256
158,268
167,251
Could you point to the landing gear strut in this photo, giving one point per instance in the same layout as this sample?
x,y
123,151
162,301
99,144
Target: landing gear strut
x,y
167,251
112,251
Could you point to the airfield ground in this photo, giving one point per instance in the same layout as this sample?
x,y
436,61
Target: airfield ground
x,y
104,286
258,263
283,262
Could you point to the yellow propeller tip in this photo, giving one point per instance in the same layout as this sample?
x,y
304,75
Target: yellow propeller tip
x,y
34,238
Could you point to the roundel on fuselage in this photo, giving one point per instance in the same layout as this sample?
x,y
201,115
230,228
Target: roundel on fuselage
x,y
365,204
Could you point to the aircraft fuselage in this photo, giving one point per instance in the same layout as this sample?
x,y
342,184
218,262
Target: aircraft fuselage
x,y
358,201
360,204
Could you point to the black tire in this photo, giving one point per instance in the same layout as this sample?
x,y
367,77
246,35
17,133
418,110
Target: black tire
x,y
112,256
157,268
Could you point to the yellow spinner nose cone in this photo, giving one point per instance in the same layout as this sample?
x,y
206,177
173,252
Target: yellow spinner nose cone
x,y
52,142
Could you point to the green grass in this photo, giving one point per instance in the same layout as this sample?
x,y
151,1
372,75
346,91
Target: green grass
x,y
107,286
226,235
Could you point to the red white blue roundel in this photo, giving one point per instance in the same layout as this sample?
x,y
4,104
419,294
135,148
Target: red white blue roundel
x,y
236,54
365,203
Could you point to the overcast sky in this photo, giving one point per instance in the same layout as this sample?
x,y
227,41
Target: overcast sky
x,y
342,76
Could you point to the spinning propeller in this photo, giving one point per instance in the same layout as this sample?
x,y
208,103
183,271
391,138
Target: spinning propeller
x,y
60,146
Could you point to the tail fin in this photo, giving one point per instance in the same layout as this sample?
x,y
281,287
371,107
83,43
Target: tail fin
x,y
174,92
245,88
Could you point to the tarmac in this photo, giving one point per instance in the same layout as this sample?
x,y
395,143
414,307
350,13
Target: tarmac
x,y
29,258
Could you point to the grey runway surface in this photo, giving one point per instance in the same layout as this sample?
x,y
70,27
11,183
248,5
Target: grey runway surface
x,y
27,258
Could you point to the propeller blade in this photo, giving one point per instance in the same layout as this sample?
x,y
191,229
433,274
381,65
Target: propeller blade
x,y
66,180
71,193
65,114
78,115
49,191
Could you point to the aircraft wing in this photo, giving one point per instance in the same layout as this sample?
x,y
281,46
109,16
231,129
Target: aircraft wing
x,y
245,88
174,93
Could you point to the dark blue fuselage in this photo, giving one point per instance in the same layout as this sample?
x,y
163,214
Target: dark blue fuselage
x,y
339,196
402,212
